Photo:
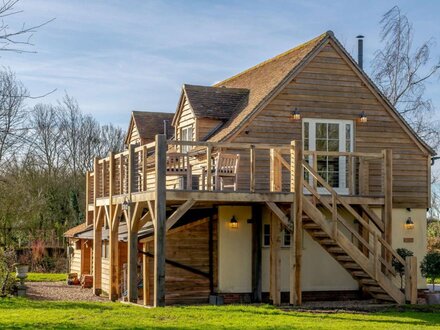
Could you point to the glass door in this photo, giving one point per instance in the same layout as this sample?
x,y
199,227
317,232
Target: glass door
x,y
329,135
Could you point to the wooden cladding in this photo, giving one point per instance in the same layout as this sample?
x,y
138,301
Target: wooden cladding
x,y
329,88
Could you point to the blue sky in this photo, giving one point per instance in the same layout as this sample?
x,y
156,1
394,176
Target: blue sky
x,y
119,56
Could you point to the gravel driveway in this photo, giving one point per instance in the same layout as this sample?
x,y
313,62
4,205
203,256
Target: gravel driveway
x,y
60,291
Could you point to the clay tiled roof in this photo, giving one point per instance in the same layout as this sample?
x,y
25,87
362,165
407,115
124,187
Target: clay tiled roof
x,y
151,123
215,102
77,229
262,81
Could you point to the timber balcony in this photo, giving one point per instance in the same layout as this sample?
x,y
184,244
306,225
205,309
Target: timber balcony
x,y
343,200
239,172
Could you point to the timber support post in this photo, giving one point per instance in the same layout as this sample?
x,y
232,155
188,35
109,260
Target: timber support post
x,y
146,274
298,174
131,217
160,221
388,193
97,235
411,279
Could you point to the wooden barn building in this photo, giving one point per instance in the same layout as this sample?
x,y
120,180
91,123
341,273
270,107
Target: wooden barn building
x,y
295,179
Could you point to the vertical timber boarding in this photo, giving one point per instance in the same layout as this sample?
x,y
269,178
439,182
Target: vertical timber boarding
x,y
160,223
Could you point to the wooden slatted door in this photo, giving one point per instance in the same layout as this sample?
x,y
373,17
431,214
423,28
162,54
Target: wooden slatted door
x,y
328,135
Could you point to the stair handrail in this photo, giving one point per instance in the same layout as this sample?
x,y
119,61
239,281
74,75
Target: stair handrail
x,y
371,228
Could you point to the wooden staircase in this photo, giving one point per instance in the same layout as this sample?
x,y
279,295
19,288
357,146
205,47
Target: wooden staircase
x,y
368,257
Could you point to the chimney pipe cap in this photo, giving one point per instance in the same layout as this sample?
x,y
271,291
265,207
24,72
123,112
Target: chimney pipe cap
x,y
360,36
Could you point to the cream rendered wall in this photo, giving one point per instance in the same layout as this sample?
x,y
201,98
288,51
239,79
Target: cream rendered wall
x,y
234,250
320,272
418,234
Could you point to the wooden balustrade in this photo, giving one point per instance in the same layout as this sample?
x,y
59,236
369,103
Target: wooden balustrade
x,y
262,168
376,245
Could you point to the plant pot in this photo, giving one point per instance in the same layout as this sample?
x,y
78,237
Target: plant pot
x,y
21,272
433,298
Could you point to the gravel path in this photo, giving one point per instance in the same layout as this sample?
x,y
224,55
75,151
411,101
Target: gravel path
x,y
60,291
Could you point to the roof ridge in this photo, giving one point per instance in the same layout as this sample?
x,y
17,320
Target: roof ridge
x,y
152,112
217,87
287,52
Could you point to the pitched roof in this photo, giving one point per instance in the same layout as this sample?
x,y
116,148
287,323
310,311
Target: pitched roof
x,y
77,229
266,80
262,80
150,123
215,102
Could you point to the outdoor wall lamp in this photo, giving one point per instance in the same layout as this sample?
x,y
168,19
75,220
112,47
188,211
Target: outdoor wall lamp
x,y
362,117
295,115
233,223
409,224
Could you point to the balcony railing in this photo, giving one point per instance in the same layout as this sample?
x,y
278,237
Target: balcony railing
x,y
242,167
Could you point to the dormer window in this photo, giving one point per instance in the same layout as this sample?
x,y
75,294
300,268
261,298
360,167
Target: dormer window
x,y
186,134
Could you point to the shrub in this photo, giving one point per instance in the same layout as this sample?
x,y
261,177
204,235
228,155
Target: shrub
x,y
430,267
7,278
398,267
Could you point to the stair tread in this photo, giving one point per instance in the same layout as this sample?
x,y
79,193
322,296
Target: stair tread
x,y
360,274
351,265
336,250
344,258
383,296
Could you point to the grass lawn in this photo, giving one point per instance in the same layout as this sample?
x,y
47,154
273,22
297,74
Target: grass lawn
x,y
22,313
45,277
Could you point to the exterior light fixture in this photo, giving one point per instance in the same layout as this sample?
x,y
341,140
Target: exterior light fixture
x,y
295,115
362,117
409,224
233,223
125,205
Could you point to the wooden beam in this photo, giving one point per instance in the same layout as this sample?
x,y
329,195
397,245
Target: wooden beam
x,y
151,209
388,194
280,214
181,210
257,237
146,275
97,242
292,257
299,177
209,168
411,279
160,223
252,168
134,213
275,262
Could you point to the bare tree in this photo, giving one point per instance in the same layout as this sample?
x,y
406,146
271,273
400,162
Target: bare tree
x,y
401,71
12,113
46,138
112,139
14,40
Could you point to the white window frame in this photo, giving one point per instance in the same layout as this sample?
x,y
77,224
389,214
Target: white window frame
x,y
342,189
186,148
284,233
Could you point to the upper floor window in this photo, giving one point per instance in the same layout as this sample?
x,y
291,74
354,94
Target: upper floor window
x,y
186,134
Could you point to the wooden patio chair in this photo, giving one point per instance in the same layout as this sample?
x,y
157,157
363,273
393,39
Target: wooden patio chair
x,y
226,167
178,165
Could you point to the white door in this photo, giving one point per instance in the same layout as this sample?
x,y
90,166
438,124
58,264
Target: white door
x,y
329,135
